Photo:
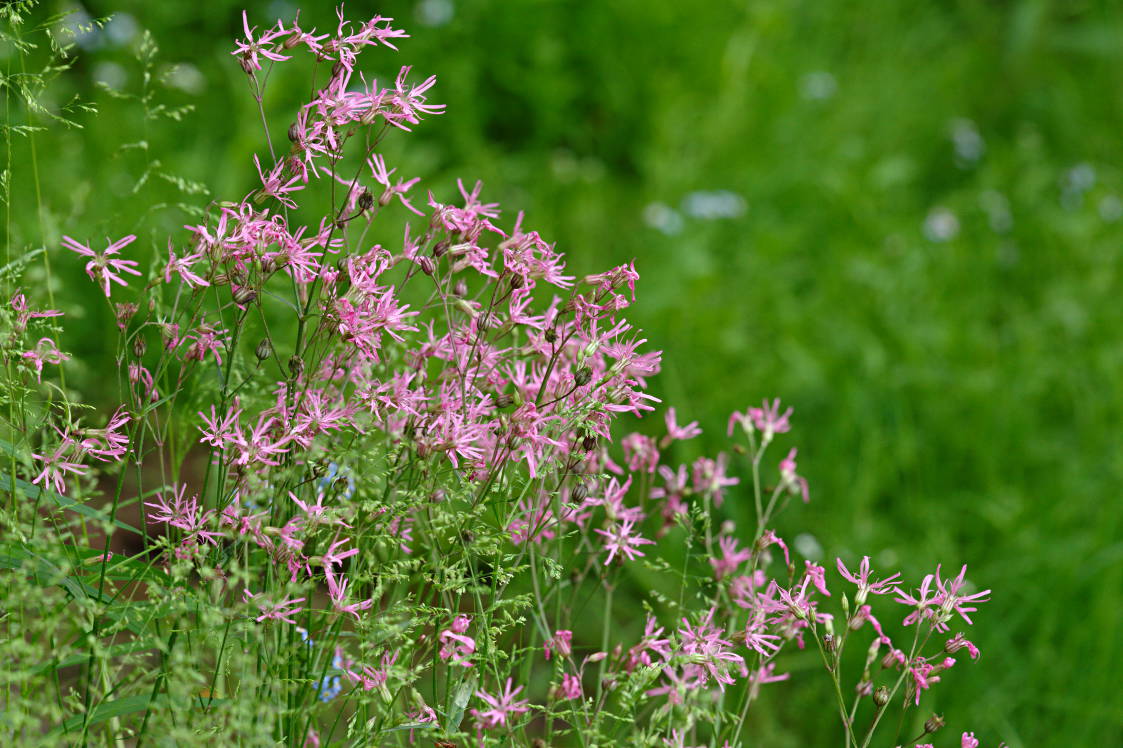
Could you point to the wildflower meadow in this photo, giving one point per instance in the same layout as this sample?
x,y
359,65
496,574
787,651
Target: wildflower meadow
x,y
321,445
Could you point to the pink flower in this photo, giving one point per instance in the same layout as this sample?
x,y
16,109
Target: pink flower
x,y
182,266
771,538
708,651
958,642
382,176
274,611
221,432
183,513
570,687
45,352
562,641
756,639
502,706
818,576
731,558
674,431
789,479
862,579
951,601
101,267
710,478
640,452
455,646
56,466
273,186
769,420
370,678
767,675
651,642
968,740
620,538
338,593
25,315
107,444
249,49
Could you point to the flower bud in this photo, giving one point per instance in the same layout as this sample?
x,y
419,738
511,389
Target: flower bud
x,y
296,366
933,723
140,345
881,696
460,289
366,201
504,400
579,493
294,133
264,349
426,265
589,442
551,335
124,313
440,248
437,496
583,376
244,295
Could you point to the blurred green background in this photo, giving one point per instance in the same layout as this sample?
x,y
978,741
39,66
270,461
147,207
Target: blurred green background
x,y
903,218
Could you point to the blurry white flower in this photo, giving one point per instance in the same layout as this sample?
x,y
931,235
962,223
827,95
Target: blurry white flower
x,y
818,86
941,225
662,217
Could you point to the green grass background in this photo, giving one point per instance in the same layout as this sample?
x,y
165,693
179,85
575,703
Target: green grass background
x,y
958,398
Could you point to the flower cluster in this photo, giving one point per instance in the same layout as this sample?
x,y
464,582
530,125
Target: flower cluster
x,y
390,471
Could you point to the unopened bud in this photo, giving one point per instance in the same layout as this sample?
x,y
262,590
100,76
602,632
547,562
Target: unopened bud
x,y
460,289
589,442
440,248
294,133
125,313
426,265
933,723
296,366
828,643
504,400
140,345
437,496
579,492
264,349
244,295
366,200
517,281
583,376
881,695
221,279
551,335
